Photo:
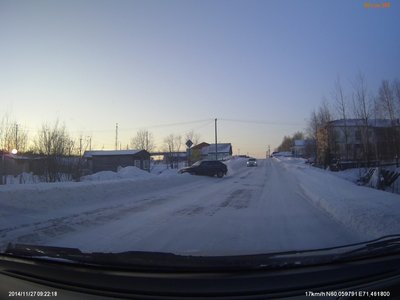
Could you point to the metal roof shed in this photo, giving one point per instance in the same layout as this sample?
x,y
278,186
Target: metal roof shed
x,y
110,160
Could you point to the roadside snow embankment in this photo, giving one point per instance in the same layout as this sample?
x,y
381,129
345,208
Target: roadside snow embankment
x,y
122,173
235,164
368,211
57,199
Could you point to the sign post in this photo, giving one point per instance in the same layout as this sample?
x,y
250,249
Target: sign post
x,y
189,144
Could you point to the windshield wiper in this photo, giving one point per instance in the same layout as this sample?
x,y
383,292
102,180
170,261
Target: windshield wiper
x,y
385,245
161,261
46,252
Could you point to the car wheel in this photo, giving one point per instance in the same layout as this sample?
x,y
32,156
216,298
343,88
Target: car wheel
x,y
220,174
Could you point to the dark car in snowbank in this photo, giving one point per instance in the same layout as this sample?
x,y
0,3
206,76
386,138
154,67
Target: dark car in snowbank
x,y
206,167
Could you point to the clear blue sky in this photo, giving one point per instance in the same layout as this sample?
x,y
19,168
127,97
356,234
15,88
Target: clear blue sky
x,y
144,63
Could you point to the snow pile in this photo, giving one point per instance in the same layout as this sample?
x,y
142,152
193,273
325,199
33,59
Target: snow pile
x,y
352,175
368,211
168,172
23,178
291,160
376,179
129,172
100,176
43,203
163,170
235,164
283,154
27,178
133,172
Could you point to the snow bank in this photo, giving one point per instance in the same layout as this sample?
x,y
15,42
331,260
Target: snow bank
x,y
30,201
163,170
25,178
235,164
129,172
283,154
352,175
368,211
95,188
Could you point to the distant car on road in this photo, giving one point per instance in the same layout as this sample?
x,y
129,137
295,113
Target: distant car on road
x,y
206,167
252,162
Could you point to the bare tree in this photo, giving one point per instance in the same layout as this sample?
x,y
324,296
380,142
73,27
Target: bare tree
x,y
12,136
173,145
76,162
342,111
361,101
312,130
286,144
387,100
396,91
312,126
324,113
362,105
324,117
143,140
298,136
318,131
55,145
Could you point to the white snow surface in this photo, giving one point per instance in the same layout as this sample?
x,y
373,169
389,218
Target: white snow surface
x,y
122,173
283,204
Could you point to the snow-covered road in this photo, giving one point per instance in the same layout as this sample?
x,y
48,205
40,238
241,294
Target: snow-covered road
x,y
273,207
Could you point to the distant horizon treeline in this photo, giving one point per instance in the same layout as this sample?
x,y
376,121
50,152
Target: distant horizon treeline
x,y
55,139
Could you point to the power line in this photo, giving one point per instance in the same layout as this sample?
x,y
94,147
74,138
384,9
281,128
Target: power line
x,y
174,124
132,128
263,122
208,122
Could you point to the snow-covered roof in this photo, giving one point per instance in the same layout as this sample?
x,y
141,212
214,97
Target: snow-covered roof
x,y
89,154
221,148
360,122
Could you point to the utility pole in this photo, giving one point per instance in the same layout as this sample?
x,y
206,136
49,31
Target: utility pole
x,y
216,141
116,136
147,141
80,146
16,136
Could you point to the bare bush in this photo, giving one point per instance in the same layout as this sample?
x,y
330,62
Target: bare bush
x,y
143,140
56,147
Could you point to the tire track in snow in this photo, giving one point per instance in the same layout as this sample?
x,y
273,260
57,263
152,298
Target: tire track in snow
x,y
61,225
